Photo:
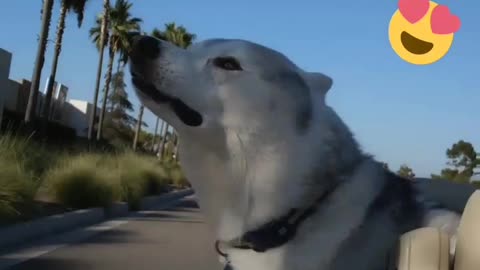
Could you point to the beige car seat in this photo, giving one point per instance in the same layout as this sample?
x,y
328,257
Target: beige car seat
x,y
429,248
467,250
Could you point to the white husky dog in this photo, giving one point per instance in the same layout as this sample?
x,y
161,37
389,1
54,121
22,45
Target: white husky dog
x,y
279,177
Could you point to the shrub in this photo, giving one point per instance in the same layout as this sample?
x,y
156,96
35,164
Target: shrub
x,y
82,182
139,176
77,180
18,182
17,190
175,174
33,157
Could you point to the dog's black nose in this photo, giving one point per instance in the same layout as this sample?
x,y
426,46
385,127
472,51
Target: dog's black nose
x,y
144,46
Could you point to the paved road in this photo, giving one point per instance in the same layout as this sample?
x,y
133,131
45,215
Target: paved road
x,y
173,239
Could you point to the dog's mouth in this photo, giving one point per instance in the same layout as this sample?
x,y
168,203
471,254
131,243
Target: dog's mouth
x,y
415,45
187,115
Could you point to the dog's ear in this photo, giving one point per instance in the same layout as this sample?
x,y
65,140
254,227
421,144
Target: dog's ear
x,y
318,82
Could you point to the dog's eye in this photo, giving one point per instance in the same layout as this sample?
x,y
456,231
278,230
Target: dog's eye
x,y
227,63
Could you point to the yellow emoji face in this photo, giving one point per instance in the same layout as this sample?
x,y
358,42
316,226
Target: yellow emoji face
x,y
421,31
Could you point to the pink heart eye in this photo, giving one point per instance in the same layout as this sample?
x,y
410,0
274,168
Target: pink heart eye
x,y
443,22
413,10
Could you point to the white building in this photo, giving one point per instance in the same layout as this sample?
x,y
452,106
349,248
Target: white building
x,y
14,98
5,60
13,93
76,114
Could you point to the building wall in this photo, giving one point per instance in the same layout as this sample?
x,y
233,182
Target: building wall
x,y
5,61
10,95
14,97
76,114
23,93
58,102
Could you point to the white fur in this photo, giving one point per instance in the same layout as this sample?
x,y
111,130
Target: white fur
x,y
322,233
248,163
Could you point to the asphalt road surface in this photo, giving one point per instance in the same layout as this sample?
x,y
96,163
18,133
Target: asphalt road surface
x,y
172,239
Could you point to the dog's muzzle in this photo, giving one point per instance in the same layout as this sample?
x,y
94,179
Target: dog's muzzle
x,y
143,53
145,50
187,115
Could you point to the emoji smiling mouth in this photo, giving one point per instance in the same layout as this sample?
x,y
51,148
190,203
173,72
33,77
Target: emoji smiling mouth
x,y
415,45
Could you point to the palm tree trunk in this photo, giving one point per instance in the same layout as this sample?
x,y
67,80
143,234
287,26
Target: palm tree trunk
x,y
105,94
138,129
160,137
119,67
51,79
164,140
103,42
40,59
177,143
155,133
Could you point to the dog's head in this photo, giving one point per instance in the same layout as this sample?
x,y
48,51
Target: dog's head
x,y
254,128
229,84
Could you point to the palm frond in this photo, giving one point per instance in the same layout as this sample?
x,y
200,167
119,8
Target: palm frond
x,y
77,7
177,35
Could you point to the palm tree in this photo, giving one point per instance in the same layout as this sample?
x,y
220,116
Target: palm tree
x,y
138,128
161,136
179,36
101,41
164,140
40,59
120,24
77,7
154,133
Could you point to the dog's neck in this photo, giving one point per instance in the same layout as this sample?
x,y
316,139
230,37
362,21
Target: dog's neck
x,y
245,188
243,180
323,231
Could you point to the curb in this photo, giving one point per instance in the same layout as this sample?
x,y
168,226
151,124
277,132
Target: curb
x,y
152,201
24,232
117,209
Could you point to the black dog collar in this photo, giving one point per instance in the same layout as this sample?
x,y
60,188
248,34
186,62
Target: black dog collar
x,y
274,233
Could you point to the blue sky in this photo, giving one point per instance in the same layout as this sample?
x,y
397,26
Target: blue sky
x,y
400,113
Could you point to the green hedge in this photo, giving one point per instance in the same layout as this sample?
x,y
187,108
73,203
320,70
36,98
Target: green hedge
x,y
139,176
175,174
19,177
82,182
75,179
108,178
